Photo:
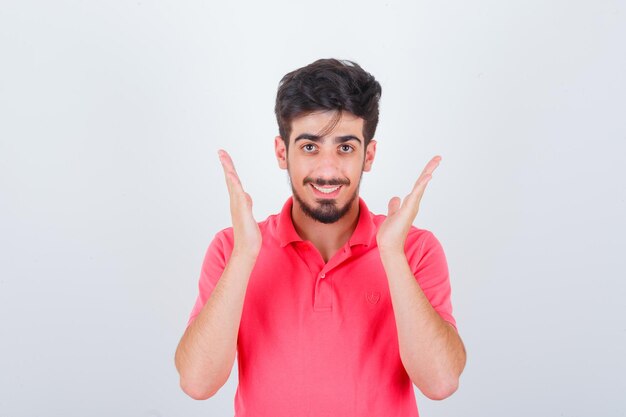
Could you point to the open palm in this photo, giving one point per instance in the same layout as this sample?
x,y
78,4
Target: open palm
x,y
245,228
401,214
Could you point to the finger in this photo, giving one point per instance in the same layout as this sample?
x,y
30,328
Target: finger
x,y
226,161
425,177
393,206
230,174
415,196
248,200
431,166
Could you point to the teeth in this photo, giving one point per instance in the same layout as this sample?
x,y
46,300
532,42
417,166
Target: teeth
x,y
326,190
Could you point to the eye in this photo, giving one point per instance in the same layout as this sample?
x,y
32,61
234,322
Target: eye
x,y
346,148
309,148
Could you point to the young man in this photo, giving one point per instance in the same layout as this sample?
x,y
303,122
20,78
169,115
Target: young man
x,y
330,309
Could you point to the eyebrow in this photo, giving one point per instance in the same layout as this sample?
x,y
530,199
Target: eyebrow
x,y
316,138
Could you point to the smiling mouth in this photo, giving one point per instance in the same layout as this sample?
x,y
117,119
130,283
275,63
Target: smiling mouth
x,y
326,190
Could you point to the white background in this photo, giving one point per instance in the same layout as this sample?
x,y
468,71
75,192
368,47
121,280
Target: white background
x,y
111,114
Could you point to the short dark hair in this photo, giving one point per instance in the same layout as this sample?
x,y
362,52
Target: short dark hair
x,y
328,84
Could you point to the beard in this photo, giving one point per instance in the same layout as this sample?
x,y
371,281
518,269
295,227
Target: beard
x,y
326,211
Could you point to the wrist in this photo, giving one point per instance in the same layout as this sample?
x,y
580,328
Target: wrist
x,y
391,254
391,250
244,254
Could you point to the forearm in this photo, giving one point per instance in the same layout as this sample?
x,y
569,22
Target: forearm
x,y
430,348
207,350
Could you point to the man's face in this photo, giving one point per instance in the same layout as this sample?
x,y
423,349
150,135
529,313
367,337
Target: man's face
x,y
325,167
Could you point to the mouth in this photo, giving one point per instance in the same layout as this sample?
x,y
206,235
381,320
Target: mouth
x,y
326,191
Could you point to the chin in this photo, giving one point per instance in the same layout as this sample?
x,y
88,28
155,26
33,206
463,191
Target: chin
x,y
325,210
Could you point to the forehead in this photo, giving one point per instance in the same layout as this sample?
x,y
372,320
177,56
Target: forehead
x,y
320,123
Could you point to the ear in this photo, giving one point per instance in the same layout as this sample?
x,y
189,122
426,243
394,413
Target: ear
x,y
281,152
370,153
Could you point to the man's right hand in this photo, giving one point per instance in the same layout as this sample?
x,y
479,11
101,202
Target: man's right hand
x,y
245,228
207,351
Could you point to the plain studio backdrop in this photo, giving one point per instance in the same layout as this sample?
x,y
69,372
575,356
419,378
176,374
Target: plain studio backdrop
x,y
111,114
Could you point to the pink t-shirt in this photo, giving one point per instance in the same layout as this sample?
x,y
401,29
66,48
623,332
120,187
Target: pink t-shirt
x,y
319,339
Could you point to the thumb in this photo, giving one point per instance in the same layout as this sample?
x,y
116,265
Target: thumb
x,y
248,200
394,205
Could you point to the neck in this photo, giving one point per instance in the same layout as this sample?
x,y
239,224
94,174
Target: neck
x,y
327,238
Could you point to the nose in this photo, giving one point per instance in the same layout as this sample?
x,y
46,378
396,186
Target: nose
x,y
328,165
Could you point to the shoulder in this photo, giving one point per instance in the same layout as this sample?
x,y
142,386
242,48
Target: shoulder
x,y
423,238
417,238
225,238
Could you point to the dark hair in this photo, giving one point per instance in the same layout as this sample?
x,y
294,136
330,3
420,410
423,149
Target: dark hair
x,y
328,84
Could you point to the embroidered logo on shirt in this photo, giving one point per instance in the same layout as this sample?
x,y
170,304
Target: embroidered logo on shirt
x,y
372,297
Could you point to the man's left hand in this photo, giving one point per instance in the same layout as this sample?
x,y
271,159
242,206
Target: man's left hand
x,y
392,233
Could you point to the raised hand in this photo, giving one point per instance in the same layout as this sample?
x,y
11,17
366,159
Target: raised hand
x,y
392,233
245,228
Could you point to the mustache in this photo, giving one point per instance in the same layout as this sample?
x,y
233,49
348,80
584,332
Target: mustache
x,y
321,181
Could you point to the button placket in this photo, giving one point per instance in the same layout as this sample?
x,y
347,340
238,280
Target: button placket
x,y
323,293
323,297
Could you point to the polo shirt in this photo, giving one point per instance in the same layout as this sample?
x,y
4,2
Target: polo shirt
x,y
319,339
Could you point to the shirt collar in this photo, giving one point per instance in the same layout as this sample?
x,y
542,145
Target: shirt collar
x,y
285,229
364,233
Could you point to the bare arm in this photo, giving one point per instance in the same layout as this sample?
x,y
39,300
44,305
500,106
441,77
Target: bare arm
x,y
430,348
206,352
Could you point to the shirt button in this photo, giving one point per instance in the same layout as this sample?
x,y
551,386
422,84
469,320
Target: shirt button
x,y
322,275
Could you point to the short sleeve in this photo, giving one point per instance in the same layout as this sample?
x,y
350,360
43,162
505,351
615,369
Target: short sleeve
x,y
215,260
430,267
